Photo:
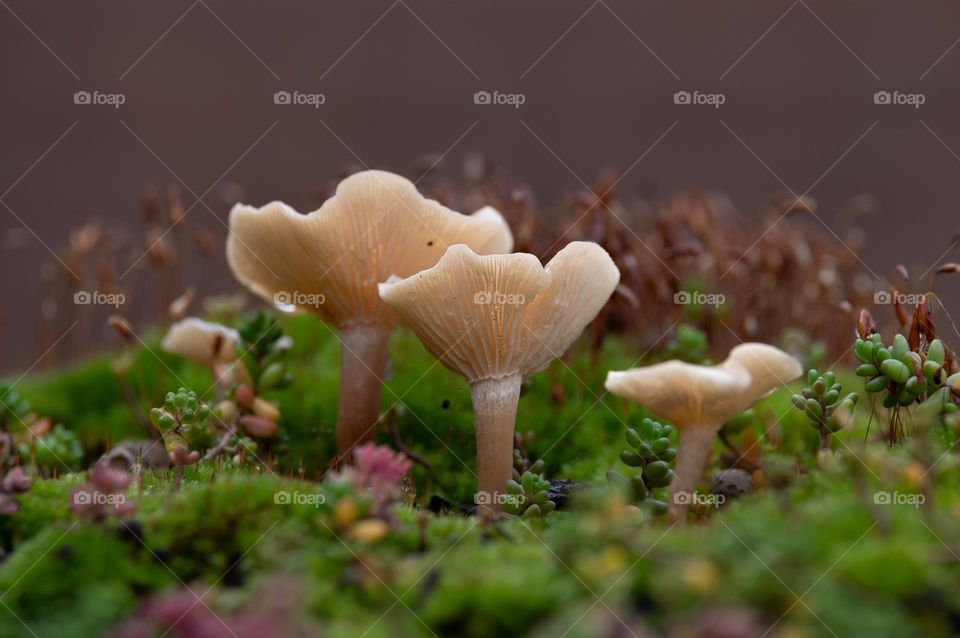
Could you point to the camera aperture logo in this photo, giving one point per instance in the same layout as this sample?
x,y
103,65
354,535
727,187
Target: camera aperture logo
x,y
86,298
685,298
298,498
886,298
897,98
96,98
696,498
297,298
696,98
515,100
297,98
498,498
87,497
898,498
496,298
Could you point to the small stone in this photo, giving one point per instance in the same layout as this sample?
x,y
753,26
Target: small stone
x,y
732,483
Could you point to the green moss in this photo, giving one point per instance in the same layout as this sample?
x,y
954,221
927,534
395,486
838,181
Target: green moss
x,y
816,532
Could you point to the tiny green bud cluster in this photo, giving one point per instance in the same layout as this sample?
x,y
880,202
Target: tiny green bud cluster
x,y
651,451
530,496
183,414
822,401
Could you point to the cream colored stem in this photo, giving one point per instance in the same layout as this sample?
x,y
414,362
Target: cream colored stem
x,y
495,416
696,442
363,363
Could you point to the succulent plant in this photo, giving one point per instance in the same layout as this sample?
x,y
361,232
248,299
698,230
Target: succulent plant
x,y
907,376
184,417
904,375
59,450
823,402
651,451
12,407
529,497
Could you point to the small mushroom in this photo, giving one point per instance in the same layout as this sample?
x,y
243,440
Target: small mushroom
x,y
698,400
330,261
207,344
497,319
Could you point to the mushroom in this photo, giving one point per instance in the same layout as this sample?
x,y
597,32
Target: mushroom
x,y
207,344
698,400
496,320
330,261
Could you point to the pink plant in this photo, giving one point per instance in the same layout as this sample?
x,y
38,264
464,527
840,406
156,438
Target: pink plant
x,y
381,470
103,495
13,483
182,614
379,464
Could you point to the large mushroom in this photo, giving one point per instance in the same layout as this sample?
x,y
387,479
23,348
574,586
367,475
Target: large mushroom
x,y
698,400
497,319
330,261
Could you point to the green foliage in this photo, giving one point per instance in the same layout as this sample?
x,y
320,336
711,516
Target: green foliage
x,y
261,350
863,568
688,344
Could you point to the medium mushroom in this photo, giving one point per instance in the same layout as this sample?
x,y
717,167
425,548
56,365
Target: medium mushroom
x,y
496,320
207,344
698,400
330,261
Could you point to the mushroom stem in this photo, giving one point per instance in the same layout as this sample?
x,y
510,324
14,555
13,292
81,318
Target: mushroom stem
x,y
696,443
495,416
364,353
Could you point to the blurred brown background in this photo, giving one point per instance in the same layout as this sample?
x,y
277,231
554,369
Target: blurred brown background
x,y
198,80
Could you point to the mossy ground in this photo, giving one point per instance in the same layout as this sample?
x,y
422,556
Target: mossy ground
x,y
811,554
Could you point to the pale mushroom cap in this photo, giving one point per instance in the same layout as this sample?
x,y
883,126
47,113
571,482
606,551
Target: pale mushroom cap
x,y
693,395
330,261
200,341
497,315
769,367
